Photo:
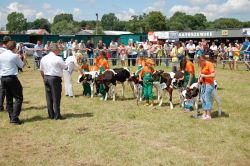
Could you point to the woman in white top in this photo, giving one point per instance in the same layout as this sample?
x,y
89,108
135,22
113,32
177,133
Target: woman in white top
x,y
73,63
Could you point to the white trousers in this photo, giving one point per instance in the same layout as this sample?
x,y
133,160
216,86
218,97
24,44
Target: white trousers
x,y
68,83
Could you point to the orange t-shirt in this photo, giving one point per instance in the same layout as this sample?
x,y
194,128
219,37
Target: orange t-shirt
x,y
103,62
207,68
147,70
86,66
190,67
96,64
140,62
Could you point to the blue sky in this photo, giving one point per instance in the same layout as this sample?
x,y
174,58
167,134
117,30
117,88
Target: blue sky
x,y
124,9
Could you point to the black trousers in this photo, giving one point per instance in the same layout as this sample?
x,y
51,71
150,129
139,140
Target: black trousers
x,y
2,96
13,89
53,90
191,56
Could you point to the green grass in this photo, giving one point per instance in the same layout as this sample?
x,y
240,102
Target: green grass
x,y
121,133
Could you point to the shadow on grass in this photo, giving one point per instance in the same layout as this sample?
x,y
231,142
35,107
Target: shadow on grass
x,y
120,98
223,114
35,119
214,115
35,108
73,115
220,88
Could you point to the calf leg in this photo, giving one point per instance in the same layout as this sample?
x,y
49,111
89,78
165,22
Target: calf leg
x,y
133,87
160,97
92,89
113,91
140,93
170,92
123,89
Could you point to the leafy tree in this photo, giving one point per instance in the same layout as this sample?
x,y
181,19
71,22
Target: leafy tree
x,y
199,21
65,28
42,23
63,17
155,21
224,23
246,24
109,21
16,23
177,21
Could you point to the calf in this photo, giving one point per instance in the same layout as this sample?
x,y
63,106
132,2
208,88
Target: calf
x,y
137,86
89,77
194,94
110,78
167,81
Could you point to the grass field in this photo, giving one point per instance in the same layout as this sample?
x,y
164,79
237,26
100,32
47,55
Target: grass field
x,y
98,133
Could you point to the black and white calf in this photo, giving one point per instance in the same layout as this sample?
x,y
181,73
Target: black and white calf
x,y
89,77
110,78
136,86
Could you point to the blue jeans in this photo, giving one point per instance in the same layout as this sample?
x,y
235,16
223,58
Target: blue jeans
x,y
206,96
114,57
91,57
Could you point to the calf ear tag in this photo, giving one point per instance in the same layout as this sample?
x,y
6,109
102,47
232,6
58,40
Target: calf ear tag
x,y
163,85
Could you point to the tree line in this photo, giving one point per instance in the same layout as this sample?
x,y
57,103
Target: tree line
x,y
153,21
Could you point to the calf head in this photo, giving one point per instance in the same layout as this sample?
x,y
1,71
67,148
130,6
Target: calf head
x,y
190,93
156,76
178,80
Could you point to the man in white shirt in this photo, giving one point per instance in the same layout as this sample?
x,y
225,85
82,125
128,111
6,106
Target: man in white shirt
x,y
113,47
9,63
191,50
52,71
6,39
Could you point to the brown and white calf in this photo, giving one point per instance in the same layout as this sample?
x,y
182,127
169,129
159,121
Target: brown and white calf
x,y
167,82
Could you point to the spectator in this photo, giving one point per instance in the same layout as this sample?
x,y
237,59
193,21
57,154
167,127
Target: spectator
x,y
75,47
167,49
113,47
191,50
129,52
82,47
100,46
122,52
52,71
38,54
245,49
222,54
230,52
134,54
236,56
90,51
46,47
9,69
174,56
